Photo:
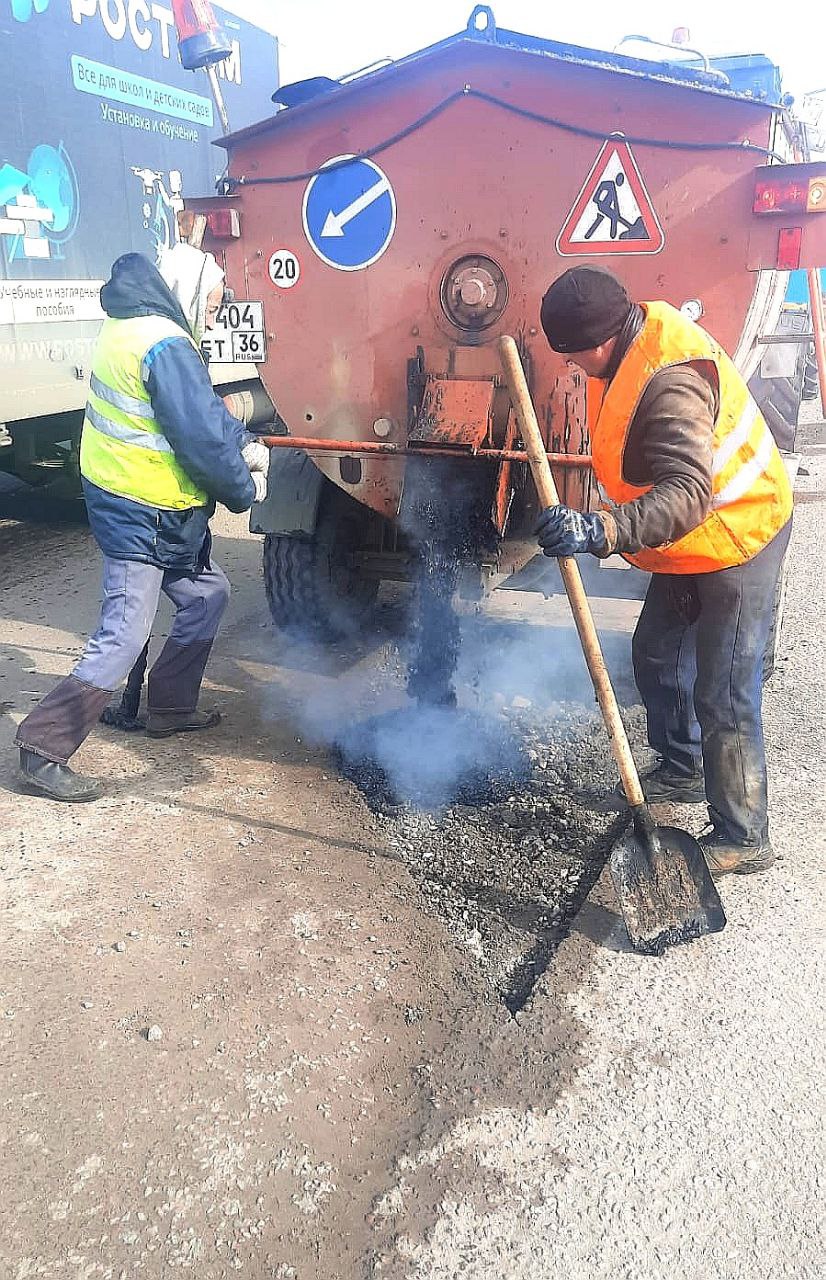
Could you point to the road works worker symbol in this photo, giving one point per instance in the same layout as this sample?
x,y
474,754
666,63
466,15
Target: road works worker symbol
x,y
613,212
349,214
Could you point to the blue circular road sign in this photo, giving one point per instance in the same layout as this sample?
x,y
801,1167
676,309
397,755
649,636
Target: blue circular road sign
x,y
349,214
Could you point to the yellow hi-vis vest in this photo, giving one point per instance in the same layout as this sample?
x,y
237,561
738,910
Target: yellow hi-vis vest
x,y
751,495
123,448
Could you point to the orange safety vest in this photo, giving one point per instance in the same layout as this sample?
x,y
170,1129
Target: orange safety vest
x,y
751,497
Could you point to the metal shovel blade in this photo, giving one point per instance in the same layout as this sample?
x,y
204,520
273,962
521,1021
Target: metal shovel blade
x,y
665,890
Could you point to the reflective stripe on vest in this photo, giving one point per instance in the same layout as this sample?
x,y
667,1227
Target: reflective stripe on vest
x,y
118,431
751,495
127,404
736,438
748,472
123,448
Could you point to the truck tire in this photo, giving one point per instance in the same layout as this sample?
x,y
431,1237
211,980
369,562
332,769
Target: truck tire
x,y
810,387
779,402
313,587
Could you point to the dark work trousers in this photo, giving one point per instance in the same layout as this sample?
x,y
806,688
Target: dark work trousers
x,y
131,590
701,681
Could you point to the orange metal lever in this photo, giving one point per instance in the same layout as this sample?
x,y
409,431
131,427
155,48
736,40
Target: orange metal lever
x,y
311,445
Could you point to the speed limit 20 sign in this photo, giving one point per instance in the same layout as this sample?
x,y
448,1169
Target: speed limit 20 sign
x,y
237,335
284,269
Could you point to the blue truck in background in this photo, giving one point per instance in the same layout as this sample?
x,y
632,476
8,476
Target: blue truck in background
x,y
103,136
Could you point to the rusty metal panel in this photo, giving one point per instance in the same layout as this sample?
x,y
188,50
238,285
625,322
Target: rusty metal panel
x,y
342,339
765,235
455,412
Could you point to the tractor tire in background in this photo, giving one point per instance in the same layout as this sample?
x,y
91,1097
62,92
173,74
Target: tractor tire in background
x,y
779,403
314,584
780,380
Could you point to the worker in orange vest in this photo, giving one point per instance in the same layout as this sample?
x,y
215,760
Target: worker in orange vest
x,y
694,490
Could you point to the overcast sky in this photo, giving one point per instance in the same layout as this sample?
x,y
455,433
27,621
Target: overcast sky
x,y
329,37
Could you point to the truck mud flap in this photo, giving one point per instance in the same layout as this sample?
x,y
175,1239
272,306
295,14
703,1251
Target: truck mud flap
x,y
290,508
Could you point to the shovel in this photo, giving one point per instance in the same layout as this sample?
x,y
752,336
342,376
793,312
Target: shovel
x,y
661,879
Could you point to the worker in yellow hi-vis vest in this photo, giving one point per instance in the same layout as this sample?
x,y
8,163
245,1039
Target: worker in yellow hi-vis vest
x,y
158,450
694,491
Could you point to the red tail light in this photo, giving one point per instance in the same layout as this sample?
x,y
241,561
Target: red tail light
x,y
224,224
200,39
787,188
779,195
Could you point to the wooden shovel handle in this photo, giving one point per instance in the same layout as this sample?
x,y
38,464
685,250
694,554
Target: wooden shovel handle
x,y
568,567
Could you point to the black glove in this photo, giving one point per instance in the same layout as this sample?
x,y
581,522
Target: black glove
x,y
564,532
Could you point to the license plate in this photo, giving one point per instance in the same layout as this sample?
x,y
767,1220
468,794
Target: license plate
x,y
237,335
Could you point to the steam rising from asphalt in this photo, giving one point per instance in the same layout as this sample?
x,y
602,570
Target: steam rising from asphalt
x,y
430,752
429,757
442,515
403,751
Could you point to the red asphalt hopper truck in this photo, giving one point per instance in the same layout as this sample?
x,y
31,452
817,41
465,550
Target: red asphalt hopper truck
x,y
381,233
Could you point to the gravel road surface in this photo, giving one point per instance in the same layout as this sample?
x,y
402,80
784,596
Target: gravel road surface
x,y
252,1024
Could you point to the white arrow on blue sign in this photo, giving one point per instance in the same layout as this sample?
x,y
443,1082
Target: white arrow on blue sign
x,y
349,213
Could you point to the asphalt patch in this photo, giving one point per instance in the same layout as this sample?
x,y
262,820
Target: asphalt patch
x,y
509,871
429,757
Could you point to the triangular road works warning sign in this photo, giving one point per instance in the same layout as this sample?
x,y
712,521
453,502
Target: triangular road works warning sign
x,y
613,212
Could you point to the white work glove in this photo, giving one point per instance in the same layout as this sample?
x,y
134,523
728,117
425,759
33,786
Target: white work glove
x,y
256,456
259,479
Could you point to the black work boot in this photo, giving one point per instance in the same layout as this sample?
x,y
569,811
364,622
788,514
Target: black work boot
x,y
726,857
57,781
162,724
662,786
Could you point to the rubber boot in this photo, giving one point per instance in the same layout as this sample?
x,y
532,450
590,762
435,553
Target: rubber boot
x,y
162,724
173,688
57,781
52,733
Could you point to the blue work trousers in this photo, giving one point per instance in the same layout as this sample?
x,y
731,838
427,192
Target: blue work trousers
x,y
131,591
698,653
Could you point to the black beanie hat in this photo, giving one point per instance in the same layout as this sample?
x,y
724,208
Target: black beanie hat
x,y
583,308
